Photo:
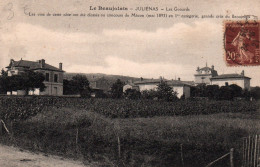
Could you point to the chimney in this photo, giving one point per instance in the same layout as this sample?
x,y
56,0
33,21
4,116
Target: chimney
x,y
42,63
179,79
198,68
11,61
141,79
243,73
212,67
60,66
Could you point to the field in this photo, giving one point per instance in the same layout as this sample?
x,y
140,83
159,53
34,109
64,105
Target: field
x,y
149,133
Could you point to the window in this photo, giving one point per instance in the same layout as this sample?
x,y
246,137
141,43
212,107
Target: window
x,y
47,77
55,77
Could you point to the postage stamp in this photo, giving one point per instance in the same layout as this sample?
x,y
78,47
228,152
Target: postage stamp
x,y
241,43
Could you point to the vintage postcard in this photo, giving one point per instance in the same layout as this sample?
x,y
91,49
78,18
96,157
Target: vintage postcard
x,y
130,83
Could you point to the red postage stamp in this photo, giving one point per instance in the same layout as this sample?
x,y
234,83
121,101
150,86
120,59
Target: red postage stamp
x,y
241,43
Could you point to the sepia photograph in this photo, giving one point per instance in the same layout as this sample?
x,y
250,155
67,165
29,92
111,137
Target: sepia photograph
x,y
140,83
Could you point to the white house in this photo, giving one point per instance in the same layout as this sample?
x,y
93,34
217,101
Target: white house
x,y
228,79
181,87
209,76
204,74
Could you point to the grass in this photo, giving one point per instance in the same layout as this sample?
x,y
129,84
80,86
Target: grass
x,y
89,136
144,141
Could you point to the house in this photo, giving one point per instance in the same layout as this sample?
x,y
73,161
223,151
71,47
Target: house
x,y
181,87
209,76
228,79
53,76
204,74
130,86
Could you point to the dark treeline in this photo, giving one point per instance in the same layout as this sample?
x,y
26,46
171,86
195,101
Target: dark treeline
x,y
229,92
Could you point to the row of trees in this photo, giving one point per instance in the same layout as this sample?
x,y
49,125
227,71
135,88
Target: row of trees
x,y
25,81
220,93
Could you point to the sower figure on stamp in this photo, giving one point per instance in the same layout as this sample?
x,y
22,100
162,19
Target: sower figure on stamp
x,y
241,43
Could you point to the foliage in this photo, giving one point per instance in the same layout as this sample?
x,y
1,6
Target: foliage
x,y
4,73
255,92
94,137
78,85
25,81
117,89
22,108
212,91
34,80
217,93
132,94
165,92
149,94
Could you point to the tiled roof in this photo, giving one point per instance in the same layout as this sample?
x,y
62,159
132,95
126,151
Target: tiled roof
x,y
226,76
33,65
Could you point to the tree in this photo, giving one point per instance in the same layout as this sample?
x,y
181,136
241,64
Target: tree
x,y
117,89
4,73
34,80
165,92
25,81
149,94
255,92
132,94
226,93
4,82
199,90
236,90
212,91
78,85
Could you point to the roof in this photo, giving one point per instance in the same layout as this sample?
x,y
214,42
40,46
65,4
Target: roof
x,y
226,76
33,65
206,69
213,72
146,81
169,82
131,84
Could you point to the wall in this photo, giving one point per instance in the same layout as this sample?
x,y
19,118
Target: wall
x,y
148,86
179,90
18,92
243,83
53,89
206,79
186,91
247,83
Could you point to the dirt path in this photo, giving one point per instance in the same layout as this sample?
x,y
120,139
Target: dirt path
x,y
15,157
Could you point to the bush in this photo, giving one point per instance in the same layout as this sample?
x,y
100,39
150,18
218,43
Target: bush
x,y
132,94
18,108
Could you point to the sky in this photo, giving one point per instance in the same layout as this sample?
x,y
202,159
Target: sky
x,y
138,47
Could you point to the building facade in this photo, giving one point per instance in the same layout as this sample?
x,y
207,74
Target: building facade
x,y
181,87
209,76
53,76
203,75
229,79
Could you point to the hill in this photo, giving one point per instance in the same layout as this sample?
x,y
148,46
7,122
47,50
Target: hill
x,y
102,81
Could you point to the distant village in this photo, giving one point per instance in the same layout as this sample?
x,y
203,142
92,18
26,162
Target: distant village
x,y
54,77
